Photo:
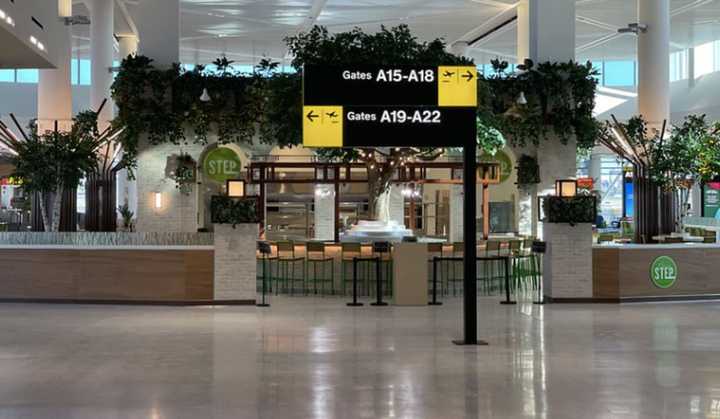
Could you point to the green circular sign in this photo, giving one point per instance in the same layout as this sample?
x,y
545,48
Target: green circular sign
x,y
506,166
221,164
664,272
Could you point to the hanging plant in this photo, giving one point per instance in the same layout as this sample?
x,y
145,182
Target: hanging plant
x,y
528,171
184,173
227,210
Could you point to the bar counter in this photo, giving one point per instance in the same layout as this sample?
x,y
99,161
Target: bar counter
x,y
73,273
656,272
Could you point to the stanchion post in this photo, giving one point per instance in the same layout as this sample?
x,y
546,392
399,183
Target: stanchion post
x,y
434,301
507,301
538,249
264,248
354,302
378,284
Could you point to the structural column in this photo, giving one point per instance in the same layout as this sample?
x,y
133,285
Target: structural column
x,y
158,22
101,56
653,50
546,30
128,45
546,33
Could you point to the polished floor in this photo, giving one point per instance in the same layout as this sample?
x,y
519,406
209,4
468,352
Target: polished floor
x,y
316,358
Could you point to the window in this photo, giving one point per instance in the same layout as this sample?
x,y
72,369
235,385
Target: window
x,y
619,73
704,59
598,66
85,77
74,71
28,76
7,76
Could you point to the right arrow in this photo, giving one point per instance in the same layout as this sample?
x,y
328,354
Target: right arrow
x,y
469,75
311,116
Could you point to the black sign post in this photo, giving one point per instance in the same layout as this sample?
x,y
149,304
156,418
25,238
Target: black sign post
x,y
388,106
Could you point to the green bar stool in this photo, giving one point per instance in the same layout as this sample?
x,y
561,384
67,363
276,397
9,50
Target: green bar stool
x,y
348,251
315,257
286,268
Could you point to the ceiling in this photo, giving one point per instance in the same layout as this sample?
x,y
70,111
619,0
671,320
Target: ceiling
x,y
246,30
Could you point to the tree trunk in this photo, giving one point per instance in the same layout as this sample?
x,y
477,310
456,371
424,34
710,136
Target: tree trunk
x,y
43,199
378,193
57,205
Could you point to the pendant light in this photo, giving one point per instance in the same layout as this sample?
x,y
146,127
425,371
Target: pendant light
x,y
205,97
521,100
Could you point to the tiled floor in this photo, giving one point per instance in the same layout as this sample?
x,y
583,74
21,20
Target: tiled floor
x,y
316,358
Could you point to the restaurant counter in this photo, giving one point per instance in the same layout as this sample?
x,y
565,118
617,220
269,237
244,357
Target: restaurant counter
x,y
635,272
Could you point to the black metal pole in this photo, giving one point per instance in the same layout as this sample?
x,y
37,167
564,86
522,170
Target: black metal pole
x,y
378,284
354,301
264,283
506,259
470,238
434,301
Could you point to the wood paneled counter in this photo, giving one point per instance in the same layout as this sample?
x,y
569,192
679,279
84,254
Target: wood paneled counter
x,y
162,274
656,272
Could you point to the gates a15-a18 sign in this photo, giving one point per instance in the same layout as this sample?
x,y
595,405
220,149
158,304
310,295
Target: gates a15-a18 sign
x,y
389,106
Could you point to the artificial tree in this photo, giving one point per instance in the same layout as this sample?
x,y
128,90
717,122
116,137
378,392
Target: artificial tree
x,y
50,163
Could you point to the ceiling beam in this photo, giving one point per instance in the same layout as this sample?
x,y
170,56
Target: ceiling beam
x,y
128,19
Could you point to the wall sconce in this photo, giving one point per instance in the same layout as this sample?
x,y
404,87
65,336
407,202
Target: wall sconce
x,y
235,188
158,200
566,188
65,8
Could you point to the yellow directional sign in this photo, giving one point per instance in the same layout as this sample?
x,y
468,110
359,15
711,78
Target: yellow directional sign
x,y
457,86
322,126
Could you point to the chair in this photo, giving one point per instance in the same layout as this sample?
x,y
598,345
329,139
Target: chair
x,y
315,256
348,252
491,271
286,266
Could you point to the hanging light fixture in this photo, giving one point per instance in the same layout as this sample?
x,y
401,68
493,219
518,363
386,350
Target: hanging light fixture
x,y
205,96
521,100
64,8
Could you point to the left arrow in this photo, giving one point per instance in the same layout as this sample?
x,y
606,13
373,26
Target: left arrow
x,y
468,75
311,116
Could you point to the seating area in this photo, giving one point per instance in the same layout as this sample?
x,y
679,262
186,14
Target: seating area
x,y
329,269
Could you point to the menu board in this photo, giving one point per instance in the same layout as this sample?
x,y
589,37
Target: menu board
x,y
711,200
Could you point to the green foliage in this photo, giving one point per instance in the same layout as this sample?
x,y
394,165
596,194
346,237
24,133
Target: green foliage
x,y
560,101
165,104
708,157
227,210
184,173
489,139
127,216
528,171
54,161
574,210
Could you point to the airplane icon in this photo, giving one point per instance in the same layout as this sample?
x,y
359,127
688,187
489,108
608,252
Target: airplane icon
x,y
448,73
332,114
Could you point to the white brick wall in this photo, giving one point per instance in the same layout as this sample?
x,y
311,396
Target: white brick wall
x,y
567,271
178,212
396,204
235,266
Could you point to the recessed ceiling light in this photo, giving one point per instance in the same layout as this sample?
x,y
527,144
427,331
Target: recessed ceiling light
x,y
40,46
2,14
33,40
